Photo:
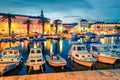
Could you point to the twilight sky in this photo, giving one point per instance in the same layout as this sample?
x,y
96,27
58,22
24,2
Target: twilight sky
x,y
66,10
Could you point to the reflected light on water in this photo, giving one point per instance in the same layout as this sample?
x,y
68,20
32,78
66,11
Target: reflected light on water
x,y
47,44
61,45
35,45
26,43
22,44
51,49
102,40
8,44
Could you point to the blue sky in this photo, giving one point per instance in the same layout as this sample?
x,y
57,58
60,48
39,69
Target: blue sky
x,y
66,10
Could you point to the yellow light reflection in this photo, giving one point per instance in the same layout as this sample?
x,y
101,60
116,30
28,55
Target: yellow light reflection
x,y
35,45
61,45
8,45
51,49
48,42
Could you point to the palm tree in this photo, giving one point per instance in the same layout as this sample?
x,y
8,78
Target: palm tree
x,y
42,21
9,17
56,23
117,28
28,22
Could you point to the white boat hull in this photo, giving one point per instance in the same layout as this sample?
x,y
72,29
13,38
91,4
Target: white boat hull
x,y
84,63
109,60
7,67
36,66
55,63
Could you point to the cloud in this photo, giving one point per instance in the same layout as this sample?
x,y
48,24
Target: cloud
x,y
74,16
50,5
67,10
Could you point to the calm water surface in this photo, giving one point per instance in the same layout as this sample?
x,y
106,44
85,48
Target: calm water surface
x,y
50,47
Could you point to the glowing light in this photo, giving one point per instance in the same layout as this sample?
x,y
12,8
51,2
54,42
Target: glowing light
x,y
22,30
61,45
34,26
22,44
35,45
51,51
37,30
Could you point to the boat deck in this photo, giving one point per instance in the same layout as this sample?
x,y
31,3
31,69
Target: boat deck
x,y
112,74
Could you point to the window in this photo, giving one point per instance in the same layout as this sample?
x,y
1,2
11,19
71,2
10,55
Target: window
x,y
32,51
32,60
16,52
39,60
77,55
11,52
88,55
74,48
4,52
101,49
106,49
38,51
79,48
115,46
94,48
82,48
83,56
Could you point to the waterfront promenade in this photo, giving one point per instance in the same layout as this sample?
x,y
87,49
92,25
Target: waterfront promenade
x,y
113,74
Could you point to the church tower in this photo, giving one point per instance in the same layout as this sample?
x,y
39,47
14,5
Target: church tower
x,y
42,15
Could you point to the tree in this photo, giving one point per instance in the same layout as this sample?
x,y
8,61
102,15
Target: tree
x,y
42,21
117,28
56,23
65,31
28,22
9,17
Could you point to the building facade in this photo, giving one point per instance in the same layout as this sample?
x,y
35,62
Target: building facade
x,y
18,26
104,28
83,25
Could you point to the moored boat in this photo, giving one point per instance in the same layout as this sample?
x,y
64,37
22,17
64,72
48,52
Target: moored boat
x,y
56,60
35,59
79,54
103,53
115,49
9,60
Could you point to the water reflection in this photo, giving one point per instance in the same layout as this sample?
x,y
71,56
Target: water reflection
x,y
61,45
50,47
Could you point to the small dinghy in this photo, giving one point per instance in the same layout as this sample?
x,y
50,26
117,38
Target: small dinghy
x,y
56,60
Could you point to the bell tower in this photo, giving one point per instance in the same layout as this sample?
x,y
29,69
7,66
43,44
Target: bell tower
x,y
42,15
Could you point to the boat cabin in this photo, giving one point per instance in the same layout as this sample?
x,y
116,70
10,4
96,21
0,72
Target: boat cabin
x,y
79,51
100,49
78,47
10,56
35,55
10,52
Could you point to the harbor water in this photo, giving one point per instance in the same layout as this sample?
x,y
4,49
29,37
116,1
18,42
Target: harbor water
x,y
50,47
